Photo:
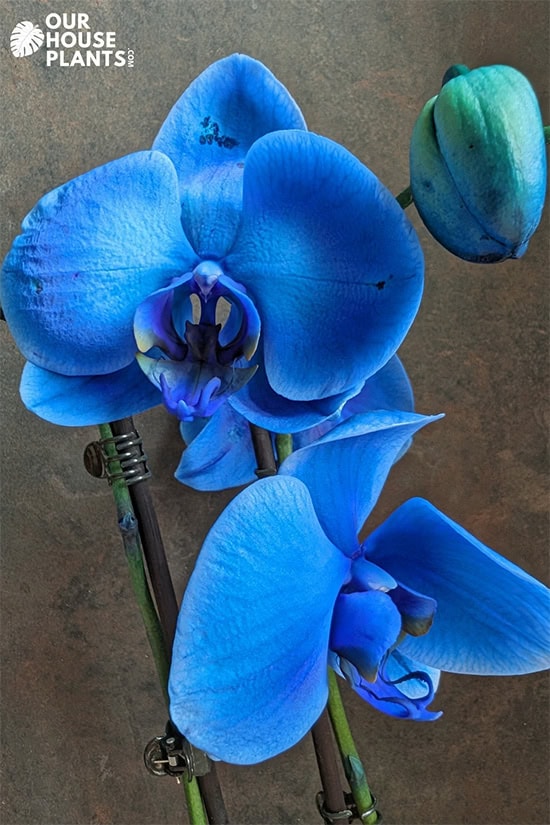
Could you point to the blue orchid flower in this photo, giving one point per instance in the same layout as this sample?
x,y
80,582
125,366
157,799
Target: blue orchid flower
x,y
243,257
283,587
478,163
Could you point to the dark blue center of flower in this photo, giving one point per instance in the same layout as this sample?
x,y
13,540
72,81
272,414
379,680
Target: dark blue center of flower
x,y
195,338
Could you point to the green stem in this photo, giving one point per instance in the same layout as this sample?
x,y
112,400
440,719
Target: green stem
x,y
547,134
405,198
283,445
193,800
129,530
351,761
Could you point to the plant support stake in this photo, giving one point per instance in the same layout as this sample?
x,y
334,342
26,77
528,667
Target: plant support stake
x,y
333,795
142,539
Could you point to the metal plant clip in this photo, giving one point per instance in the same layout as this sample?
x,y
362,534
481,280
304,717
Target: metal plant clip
x,y
130,458
333,817
172,755
348,814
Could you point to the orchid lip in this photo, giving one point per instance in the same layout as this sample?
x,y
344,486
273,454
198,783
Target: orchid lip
x,y
193,388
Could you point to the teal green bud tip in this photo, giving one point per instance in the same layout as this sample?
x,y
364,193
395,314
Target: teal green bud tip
x,y
455,70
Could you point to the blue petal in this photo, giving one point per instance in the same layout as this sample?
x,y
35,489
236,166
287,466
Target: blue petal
x,y
398,666
258,402
387,389
365,626
346,469
404,688
208,134
220,456
90,252
330,260
492,617
79,401
249,667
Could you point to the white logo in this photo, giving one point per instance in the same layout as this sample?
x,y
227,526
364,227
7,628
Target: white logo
x,y
71,41
26,39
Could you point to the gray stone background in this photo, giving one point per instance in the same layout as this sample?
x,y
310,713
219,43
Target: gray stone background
x,y
79,692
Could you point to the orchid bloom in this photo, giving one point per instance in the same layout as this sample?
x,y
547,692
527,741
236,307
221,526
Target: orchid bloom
x,y
242,258
283,587
478,163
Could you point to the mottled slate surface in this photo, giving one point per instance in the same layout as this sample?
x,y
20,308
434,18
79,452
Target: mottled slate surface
x,y
79,692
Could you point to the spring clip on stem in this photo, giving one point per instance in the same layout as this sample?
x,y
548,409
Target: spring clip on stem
x,y
129,456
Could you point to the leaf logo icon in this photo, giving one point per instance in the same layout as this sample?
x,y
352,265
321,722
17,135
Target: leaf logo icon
x,y
26,39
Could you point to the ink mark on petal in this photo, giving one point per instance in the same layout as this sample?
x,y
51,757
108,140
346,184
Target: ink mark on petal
x,y
379,285
212,134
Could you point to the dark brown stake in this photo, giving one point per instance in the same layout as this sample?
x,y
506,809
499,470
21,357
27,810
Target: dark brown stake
x,y
263,450
333,795
327,762
153,547
167,605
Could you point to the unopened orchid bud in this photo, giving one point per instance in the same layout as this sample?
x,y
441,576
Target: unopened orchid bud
x,y
478,163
